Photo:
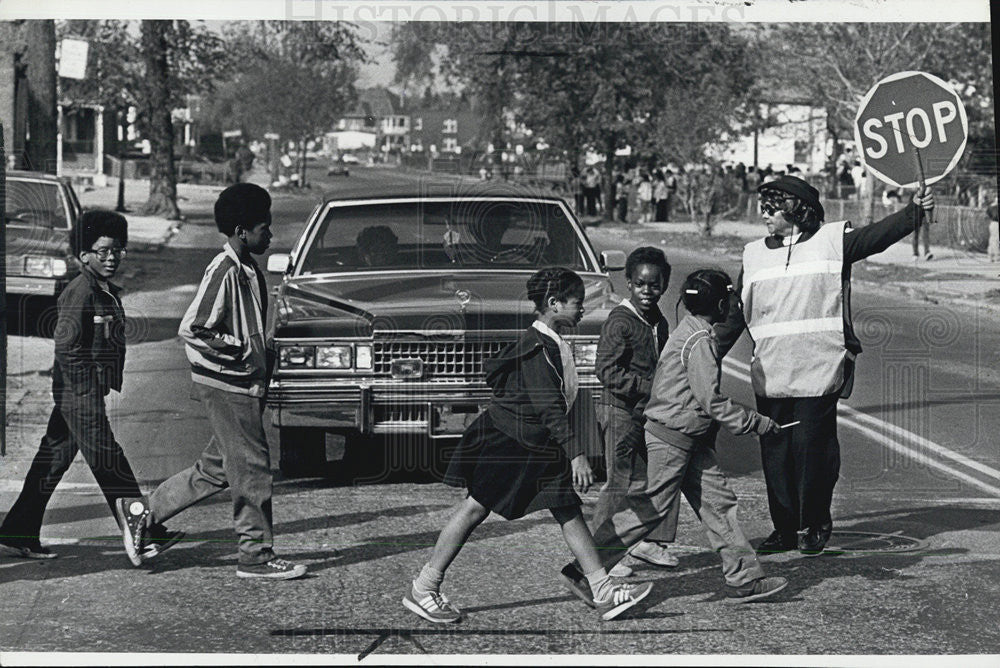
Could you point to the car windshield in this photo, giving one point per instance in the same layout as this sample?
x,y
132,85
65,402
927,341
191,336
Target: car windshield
x,y
453,234
33,203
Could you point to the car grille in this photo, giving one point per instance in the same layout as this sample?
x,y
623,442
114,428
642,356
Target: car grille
x,y
441,358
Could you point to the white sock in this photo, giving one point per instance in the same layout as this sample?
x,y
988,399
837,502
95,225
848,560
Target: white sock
x,y
600,584
428,581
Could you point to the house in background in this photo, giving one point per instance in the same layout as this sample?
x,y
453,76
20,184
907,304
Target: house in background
x,y
794,134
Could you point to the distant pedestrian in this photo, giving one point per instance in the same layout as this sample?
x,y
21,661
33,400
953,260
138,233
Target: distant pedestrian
x,y
223,333
660,196
592,190
795,290
621,198
644,196
672,186
89,363
993,243
682,419
521,455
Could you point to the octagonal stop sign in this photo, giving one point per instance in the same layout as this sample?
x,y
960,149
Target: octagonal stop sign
x,y
911,127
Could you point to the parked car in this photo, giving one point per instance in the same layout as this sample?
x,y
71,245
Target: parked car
x,y
390,303
339,167
39,212
350,159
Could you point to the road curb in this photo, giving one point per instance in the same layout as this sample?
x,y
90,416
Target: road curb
x,y
932,296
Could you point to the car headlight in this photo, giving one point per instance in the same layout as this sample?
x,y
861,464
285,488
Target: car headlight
x,y
585,354
297,357
363,357
39,266
333,357
59,267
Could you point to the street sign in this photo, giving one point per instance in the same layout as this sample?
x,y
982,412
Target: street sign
x,y
271,135
232,133
911,128
73,58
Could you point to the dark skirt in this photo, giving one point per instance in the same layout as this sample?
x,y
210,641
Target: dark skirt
x,y
510,478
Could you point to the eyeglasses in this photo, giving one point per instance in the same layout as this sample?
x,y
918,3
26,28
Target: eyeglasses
x,y
771,203
105,253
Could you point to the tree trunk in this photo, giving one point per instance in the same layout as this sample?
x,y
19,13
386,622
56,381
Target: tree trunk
x,y
40,57
302,162
609,180
162,178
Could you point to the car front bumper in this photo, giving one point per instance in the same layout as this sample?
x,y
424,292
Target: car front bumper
x,y
436,409
34,285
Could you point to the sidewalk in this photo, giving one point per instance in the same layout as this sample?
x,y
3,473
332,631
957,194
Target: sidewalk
x,y
952,275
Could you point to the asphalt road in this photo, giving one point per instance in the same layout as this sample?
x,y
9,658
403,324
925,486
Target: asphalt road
x,y
917,507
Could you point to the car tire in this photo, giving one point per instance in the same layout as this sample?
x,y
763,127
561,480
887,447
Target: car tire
x,y
303,451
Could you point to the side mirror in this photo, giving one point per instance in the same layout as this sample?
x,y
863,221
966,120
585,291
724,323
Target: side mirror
x,y
611,260
278,263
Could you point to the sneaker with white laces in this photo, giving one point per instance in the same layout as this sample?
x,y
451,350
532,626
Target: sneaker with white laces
x,y
620,570
621,598
276,569
132,516
654,553
433,606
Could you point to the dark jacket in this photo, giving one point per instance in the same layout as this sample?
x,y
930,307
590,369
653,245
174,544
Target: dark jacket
x,y
528,402
90,335
627,355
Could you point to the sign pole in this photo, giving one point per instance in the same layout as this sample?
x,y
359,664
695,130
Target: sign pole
x,y
928,215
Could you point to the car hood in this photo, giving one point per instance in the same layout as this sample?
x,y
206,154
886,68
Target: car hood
x,y
358,305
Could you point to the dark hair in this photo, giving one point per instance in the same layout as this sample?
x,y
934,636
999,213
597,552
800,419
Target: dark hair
x,y
557,282
703,289
243,204
647,255
377,237
93,225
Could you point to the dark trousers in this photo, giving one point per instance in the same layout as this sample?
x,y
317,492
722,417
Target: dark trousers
x,y
802,463
79,422
592,196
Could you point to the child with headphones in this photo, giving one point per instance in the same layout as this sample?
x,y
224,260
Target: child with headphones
x,y
521,455
682,419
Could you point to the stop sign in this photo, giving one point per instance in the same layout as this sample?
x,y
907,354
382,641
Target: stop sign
x,y
909,114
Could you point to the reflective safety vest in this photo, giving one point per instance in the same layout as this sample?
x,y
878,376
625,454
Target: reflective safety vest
x,y
795,314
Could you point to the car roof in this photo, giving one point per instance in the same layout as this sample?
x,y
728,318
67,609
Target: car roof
x,y
436,190
37,176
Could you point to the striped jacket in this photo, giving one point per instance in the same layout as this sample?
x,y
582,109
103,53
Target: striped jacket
x,y
223,328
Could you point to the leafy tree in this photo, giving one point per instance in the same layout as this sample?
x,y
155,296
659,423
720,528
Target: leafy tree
x,y
837,63
151,66
580,86
289,77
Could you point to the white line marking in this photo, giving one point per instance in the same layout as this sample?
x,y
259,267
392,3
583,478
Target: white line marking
x,y
883,432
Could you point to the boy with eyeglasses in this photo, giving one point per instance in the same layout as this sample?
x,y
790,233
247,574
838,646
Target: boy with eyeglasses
x,y
89,361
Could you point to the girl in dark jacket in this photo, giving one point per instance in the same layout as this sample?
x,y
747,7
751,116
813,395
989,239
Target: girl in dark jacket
x,y
521,454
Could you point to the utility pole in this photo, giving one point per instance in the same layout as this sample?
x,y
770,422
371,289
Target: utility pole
x,y
40,56
3,296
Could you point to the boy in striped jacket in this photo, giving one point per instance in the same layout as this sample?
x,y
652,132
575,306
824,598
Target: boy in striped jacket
x,y
223,332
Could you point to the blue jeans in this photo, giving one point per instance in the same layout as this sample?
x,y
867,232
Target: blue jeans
x,y
696,473
237,457
624,465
